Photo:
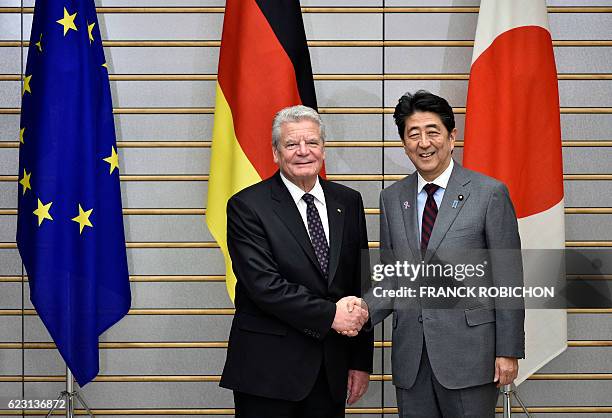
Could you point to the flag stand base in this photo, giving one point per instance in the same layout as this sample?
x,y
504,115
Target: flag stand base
x,y
70,395
509,391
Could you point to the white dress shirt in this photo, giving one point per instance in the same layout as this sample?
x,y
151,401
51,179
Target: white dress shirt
x,y
319,201
442,181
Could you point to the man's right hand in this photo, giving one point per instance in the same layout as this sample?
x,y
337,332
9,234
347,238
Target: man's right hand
x,y
351,315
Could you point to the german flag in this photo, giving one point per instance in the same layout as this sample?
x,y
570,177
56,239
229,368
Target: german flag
x,y
264,66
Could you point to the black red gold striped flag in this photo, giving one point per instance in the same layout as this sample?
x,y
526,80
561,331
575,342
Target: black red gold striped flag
x,y
264,66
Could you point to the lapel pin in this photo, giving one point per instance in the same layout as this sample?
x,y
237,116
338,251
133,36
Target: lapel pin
x,y
455,203
339,210
460,197
406,205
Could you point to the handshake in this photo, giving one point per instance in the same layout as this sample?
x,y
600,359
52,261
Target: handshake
x,y
351,315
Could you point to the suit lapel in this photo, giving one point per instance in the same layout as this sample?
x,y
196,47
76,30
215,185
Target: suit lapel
x,y
335,217
451,205
408,207
287,211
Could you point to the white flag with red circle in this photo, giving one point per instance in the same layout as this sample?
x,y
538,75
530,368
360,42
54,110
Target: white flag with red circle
x,y
513,133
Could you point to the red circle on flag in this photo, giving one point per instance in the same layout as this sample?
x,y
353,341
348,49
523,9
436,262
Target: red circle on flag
x,y
512,128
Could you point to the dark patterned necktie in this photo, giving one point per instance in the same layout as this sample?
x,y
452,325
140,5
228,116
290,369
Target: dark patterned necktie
x,y
317,233
429,215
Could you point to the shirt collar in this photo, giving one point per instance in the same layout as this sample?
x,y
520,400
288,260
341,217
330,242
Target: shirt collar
x,y
297,193
441,180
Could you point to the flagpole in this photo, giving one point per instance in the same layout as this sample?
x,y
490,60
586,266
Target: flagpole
x,y
68,396
507,401
509,391
70,391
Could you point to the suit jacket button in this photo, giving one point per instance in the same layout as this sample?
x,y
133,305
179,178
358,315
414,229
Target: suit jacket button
x,y
420,319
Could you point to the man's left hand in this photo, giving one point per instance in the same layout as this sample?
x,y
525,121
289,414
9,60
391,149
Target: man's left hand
x,y
358,382
506,370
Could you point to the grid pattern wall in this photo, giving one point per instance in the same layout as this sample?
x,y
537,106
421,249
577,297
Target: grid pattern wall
x,y
165,357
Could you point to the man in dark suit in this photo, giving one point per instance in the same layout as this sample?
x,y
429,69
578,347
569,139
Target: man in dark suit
x,y
448,359
296,243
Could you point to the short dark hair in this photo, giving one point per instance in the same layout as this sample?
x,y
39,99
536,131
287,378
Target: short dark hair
x,y
422,101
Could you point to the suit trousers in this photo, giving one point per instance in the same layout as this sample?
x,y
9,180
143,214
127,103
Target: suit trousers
x,y
427,398
317,404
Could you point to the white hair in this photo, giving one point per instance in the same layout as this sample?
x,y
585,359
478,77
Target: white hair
x,y
295,114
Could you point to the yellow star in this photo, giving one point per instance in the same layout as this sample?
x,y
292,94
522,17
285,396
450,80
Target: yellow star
x,y
89,31
67,21
39,43
21,131
105,66
25,181
26,84
43,212
83,219
113,160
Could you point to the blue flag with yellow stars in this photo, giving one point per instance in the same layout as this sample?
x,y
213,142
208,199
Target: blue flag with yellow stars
x,y
70,225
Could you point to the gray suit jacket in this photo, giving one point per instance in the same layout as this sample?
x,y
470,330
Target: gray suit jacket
x,y
462,342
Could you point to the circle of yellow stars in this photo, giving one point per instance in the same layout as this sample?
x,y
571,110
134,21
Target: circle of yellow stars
x,y
43,210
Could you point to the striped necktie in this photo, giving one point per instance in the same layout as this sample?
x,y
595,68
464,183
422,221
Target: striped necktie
x,y
429,214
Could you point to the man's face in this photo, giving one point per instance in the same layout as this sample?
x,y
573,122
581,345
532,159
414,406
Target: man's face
x,y
300,153
428,144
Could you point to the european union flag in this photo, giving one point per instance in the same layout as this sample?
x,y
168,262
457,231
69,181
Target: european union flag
x,y
70,226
